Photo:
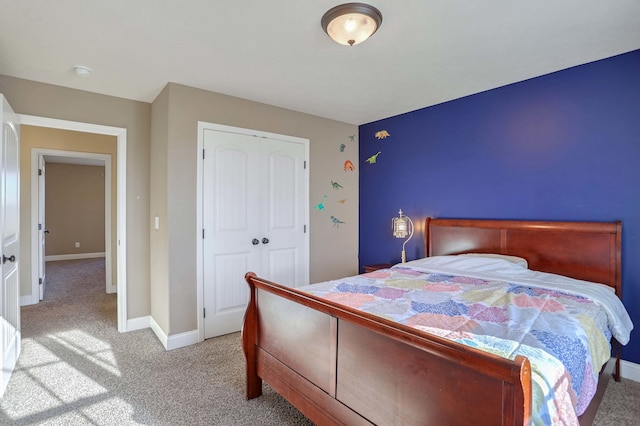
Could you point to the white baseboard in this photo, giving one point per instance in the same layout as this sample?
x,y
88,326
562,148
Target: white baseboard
x,y
55,257
29,300
181,340
158,331
139,323
177,340
630,370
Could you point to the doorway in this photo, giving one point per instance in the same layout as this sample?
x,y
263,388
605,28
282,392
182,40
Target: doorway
x,y
121,204
39,158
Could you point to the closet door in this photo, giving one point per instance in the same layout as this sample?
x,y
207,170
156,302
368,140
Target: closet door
x,y
253,215
282,220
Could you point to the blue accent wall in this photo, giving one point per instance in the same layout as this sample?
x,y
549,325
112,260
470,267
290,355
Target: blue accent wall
x,y
564,146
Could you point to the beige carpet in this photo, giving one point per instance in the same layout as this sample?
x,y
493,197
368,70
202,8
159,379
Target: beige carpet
x,y
76,369
621,404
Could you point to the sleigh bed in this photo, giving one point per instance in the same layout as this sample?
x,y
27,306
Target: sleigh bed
x,y
340,365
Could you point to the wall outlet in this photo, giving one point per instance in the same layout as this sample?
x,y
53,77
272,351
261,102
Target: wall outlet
x,y
77,244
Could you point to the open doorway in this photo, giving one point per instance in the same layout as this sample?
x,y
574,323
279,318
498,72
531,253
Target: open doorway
x,y
118,281
78,219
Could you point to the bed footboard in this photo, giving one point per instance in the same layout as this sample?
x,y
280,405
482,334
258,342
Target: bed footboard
x,y
341,366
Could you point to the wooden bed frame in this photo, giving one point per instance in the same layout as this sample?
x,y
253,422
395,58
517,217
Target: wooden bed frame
x,y
338,365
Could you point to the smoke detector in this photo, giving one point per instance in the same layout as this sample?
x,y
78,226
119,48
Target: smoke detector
x,y
82,71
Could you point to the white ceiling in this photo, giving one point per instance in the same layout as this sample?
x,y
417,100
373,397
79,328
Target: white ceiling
x,y
274,51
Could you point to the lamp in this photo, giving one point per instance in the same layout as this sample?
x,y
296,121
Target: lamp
x,y
402,226
351,23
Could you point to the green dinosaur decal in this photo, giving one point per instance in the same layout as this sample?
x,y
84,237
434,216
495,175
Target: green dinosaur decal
x,y
320,205
336,221
373,158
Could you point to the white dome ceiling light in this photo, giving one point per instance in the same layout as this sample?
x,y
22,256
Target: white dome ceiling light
x,y
351,23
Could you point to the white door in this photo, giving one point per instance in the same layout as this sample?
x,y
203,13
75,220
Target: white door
x,y
42,230
9,232
254,210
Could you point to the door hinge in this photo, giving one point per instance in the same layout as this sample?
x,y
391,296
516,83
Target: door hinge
x,y
39,172
203,233
39,227
203,154
204,312
40,281
305,229
305,164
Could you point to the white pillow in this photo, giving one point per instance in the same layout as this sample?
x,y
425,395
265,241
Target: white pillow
x,y
513,259
467,263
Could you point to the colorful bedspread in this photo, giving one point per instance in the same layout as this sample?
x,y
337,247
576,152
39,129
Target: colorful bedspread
x,y
564,334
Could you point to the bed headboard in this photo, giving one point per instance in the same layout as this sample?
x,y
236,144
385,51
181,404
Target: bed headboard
x,y
589,251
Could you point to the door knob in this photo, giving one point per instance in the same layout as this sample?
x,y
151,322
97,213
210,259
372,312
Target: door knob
x,y
11,258
46,231
255,242
265,241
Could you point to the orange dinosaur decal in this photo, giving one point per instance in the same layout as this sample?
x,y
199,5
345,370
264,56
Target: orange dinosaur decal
x,y
382,134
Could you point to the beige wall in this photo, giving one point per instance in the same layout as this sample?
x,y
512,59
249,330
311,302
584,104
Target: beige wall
x,y
44,100
175,114
168,255
64,140
75,203
159,238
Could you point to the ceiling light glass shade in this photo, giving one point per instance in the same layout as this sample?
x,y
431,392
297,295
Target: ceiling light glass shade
x,y
351,23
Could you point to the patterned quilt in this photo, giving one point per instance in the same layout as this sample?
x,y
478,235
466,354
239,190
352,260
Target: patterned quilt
x,y
564,334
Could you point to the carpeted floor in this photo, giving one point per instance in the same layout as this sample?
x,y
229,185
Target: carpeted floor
x,y
621,404
76,369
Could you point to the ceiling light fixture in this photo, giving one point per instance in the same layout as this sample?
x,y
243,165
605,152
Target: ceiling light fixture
x,y
351,23
82,71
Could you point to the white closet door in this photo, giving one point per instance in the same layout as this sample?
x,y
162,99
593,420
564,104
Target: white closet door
x,y
253,216
283,218
9,231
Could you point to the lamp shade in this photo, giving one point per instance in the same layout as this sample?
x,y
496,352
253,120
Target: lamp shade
x,y
402,227
351,23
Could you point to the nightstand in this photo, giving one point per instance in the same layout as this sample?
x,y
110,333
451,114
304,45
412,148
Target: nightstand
x,y
372,268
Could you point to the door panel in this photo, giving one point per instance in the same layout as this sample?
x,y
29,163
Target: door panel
x,y
282,194
285,225
229,301
9,232
283,265
41,226
229,201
